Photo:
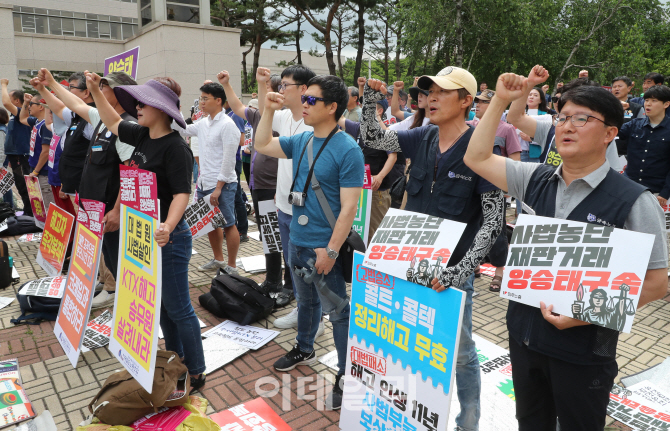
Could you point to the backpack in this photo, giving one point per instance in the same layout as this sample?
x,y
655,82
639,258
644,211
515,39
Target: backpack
x,y
122,400
240,299
36,308
6,211
18,225
5,269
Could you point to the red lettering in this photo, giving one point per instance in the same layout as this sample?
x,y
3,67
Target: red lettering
x,y
629,278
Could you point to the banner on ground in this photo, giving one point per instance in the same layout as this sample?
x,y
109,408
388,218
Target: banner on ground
x,y
641,406
401,355
55,239
250,416
269,227
75,308
137,302
202,217
50,287
15,406
36,201
6,180
362,219
125,62
249,336
589,271
97,332
412,246
30,237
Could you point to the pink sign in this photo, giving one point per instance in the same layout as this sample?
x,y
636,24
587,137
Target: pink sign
x,y
249,416
134,180
52,149
168,420
367,181
92,215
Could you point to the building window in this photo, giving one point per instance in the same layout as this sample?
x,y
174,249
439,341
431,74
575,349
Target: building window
x,y
43,21
183,11
145,12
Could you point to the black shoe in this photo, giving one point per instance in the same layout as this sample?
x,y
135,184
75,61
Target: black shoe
x,y
271,288
197,383
283,298
244,238
294,358
334,399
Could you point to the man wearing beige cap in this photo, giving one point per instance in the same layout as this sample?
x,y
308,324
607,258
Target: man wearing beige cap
x,y
442,185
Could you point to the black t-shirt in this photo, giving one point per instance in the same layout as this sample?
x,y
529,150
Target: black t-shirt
x,y
168,157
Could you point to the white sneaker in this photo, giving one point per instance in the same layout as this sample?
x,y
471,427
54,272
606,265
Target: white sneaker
x,y
104,299
212,265
319,332
230,270
288,321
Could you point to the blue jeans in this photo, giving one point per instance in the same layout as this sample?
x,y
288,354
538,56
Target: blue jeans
x,y
226,201
195,171
310,304
468,379
285,233
240,209
178,320
524,158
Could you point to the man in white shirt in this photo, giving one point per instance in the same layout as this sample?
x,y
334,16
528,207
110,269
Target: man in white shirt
x,y
218,140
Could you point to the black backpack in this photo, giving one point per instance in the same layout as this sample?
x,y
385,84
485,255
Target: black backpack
x,y
5,269
6,211
36,308
237,298
19,225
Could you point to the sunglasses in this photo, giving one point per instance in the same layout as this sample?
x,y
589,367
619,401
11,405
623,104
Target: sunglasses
x,y
140,105
554,99
311,100
34,103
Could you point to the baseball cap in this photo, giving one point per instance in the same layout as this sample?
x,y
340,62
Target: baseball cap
x,y
451,78
253,103
115,79
414,92
486,95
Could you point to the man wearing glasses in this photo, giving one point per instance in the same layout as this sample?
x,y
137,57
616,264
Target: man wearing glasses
x,y
563,369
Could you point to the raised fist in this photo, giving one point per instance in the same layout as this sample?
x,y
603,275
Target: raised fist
x,y
223,77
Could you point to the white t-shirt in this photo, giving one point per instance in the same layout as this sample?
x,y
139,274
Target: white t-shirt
x,y
125,151
406,123
284,124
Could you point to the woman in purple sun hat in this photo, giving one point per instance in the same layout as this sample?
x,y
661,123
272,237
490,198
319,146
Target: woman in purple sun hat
x,y
161,150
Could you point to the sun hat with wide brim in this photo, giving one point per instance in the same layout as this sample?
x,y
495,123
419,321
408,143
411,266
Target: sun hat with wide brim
x,y
154,94
451,78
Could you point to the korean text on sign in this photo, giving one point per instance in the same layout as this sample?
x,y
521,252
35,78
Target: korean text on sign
x,y
269,226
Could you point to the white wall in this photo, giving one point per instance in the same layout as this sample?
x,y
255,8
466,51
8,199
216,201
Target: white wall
x,y
8,67
102,7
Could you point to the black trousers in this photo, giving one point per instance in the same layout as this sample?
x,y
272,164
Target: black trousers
x,y
548,389
20,167
110,251
246,168
272,260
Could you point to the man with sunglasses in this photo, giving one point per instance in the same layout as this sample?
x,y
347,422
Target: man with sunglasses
x,y
33,114
339,169
563,369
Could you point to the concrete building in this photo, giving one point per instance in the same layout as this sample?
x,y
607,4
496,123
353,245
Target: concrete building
x,y
176,39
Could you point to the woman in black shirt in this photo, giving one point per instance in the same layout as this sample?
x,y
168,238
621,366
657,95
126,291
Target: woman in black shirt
x,y
161,150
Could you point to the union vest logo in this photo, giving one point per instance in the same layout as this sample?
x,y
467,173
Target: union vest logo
x,y
459,176
591,217
108,134
452,175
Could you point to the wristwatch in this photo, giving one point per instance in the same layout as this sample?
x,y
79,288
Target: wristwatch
x,y
332,253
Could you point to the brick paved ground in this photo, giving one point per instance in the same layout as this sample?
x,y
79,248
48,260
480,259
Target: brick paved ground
x,y
52,383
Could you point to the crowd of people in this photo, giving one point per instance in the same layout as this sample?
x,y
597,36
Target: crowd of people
x,y
465,150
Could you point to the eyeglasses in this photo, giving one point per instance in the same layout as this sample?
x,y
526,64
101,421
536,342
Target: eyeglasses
x,y
204,99
74,87
311,100
102,84
34,103
140,105
283,85
577,120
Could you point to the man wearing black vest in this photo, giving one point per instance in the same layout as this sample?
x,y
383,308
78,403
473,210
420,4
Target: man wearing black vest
x,y
563,369
442,185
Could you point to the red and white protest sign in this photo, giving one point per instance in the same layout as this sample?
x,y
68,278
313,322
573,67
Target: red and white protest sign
x,y
202,217
55,140
50,287
81,280
6,180
250,416
589,271
91,215
138,190
36,201
412,246
55,239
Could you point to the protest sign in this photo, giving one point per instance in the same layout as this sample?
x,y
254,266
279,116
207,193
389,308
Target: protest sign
x,y
30,237
5,301
167,419
80,289
50,287
137,303
362,219
269,226
202,217
15,406
245,335
97,332
250,416
55,239
641,407
401,355
220,351
125,62
36,201
6,180
588,271
91,215
412,246
53,145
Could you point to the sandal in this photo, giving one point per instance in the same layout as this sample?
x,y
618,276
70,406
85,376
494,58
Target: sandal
x,y
495,284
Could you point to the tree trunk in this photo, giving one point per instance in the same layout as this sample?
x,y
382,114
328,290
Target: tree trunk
x,y
327,41
297,42
245,83
361,43
387,51
340,35
257,54
397,53
459,34
473,53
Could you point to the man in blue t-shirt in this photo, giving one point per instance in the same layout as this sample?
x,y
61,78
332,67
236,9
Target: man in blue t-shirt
x,y
240,208
315,244
33,115
17,142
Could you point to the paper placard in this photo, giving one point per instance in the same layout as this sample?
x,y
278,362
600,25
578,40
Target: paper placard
x,y
219,352
249,336
55,239
202,217
269,226
250,416
50,287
